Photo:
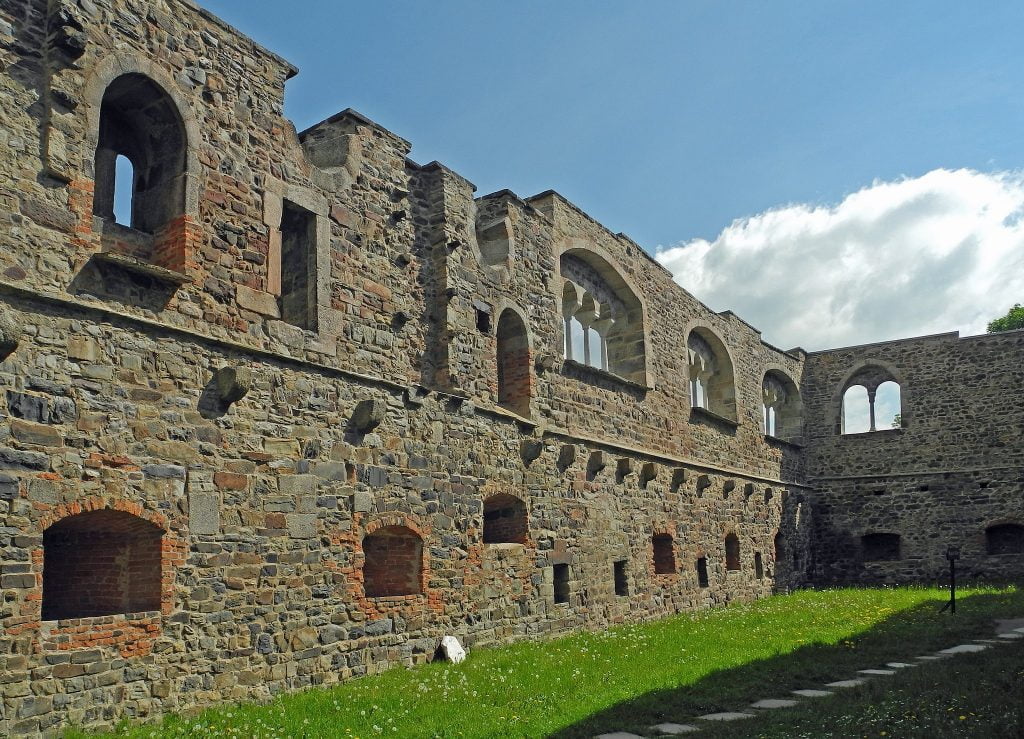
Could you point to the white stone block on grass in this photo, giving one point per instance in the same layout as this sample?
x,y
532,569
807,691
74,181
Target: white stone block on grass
x,y
811,693
877,672
847,683
453,650
899,665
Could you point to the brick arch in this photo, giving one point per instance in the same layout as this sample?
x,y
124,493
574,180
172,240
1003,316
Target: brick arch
x,y
396,564
514,366
170,549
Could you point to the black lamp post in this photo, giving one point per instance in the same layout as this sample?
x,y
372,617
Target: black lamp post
x,y
952,554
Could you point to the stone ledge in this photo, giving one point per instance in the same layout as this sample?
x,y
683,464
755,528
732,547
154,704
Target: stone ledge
x,y
154,271
703,414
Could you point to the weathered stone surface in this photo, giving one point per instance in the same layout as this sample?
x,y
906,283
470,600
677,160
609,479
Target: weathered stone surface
x,y
233,383
453,650
204,513
369,414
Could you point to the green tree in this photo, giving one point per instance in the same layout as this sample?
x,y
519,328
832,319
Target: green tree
x,y
1010,322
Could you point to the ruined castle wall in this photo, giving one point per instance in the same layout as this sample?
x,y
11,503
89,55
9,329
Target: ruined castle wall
x,y
951,470
364,418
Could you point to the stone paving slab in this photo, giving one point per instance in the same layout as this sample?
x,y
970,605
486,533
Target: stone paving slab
x,y
1011,635
899,665
847,683
811,693
772,703
964,649
1010,624
674,728
618,735
1020,630
725,716
931,657
877,672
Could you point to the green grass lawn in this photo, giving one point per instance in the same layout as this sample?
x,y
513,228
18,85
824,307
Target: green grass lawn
x,y
631,677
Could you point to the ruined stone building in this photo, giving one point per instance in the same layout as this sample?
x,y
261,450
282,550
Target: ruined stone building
x,y
311,405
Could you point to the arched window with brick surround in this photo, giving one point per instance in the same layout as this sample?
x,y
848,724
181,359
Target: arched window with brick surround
x,y
514,378
712,386
393,562
140,122
504,520
101,563
781,406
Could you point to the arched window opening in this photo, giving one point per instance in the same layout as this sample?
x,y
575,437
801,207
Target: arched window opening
x,y
514,378
732,552
393,562
871,402
664,554
139,122
603,319
710,372
560,577
856,410
1006,538
758,566
880,547
101,563
781,406
504,520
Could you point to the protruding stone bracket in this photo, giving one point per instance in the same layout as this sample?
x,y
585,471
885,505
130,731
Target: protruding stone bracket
x,y
10,337
414,396
399,319
531,449
703,483
566,456
678,478
748,490
544,363
233,383
597,462
648,473
623,469
727,487
368,414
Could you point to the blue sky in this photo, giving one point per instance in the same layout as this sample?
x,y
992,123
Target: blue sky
x,y
669,120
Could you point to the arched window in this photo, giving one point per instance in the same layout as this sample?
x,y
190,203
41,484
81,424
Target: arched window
x,y
101,563
504,520
1006,538
603,318
732,552
393,562
781,406
140,122
871,402
514,378
124,189
664,554
880,547
710,371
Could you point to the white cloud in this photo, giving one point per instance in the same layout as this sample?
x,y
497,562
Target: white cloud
x,y
940,252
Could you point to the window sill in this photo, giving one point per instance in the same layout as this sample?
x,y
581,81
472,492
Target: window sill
x,y
140,267
504,546
879,433
586,369
698,414
98,621
779,441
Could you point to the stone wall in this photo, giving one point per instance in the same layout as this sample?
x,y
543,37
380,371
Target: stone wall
x,y
316,371
282,379
948,473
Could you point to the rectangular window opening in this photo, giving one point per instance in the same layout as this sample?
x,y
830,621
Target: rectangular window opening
x,y
702,572
561,577
621,582
298,266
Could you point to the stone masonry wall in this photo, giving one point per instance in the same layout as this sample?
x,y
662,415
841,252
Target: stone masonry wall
x,y
293,386
951,470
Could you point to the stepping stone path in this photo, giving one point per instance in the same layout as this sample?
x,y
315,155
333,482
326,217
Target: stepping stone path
x,y
1006,632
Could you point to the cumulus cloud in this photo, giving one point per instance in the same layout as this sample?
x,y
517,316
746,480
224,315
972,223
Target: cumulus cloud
x,y
922,255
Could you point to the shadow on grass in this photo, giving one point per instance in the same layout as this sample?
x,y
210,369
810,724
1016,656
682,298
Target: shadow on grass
x,y
902,637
